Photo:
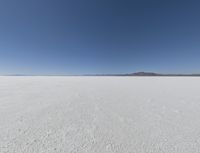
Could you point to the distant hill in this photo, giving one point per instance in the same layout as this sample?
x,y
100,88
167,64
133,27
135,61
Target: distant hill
x,y
158,74
143,74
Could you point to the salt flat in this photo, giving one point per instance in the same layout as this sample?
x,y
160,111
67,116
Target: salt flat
x,y
99,114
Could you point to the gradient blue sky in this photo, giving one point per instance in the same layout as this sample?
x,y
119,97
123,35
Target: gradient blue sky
x,y
99,36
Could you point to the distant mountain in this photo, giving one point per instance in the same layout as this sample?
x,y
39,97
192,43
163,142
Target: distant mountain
x,y
158,74
144,74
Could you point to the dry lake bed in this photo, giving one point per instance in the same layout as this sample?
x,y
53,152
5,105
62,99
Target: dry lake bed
x,y
40,114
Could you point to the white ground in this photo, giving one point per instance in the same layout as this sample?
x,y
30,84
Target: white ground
x,y
99,115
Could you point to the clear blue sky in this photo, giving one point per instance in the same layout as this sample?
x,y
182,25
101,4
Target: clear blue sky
x,y
99,36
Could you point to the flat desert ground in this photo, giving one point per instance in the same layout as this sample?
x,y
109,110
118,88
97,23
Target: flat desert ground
x,y
48,114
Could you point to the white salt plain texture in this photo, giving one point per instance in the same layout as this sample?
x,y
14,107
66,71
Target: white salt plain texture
x,y
99,114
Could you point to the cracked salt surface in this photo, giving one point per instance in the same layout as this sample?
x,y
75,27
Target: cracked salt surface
x,y
99,114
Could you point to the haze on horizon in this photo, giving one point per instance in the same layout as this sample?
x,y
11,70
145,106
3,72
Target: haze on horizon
x,y
99,36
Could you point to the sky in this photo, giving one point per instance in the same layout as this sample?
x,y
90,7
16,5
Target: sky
x,y
62,37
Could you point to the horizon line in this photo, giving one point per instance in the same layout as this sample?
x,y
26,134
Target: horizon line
x,y
140,73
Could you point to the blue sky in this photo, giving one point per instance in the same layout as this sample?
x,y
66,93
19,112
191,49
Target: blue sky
x,y
45,37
